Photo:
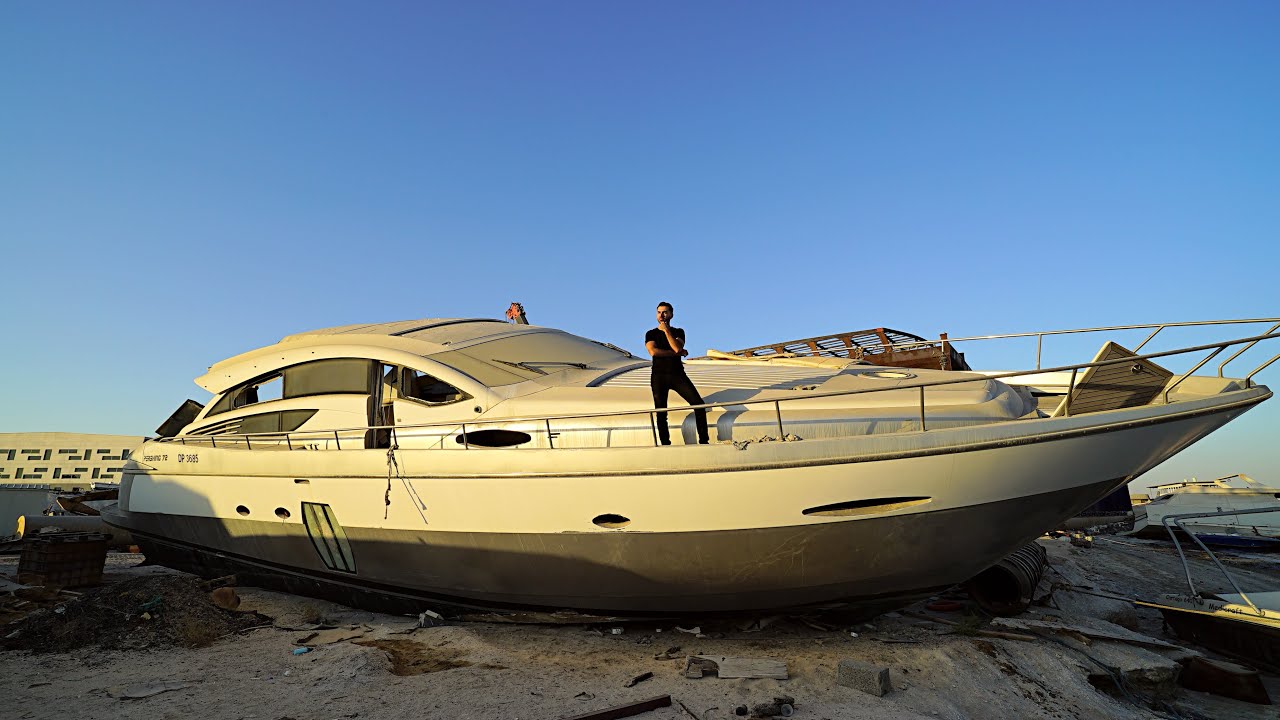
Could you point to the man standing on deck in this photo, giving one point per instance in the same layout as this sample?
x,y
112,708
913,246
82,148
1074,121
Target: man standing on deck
x,y
666,345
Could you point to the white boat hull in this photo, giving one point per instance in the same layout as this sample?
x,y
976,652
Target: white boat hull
x,y
713,528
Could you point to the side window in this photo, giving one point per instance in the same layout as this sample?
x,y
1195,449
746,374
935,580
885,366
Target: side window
x,y
321,377
329,377
418,385
258,391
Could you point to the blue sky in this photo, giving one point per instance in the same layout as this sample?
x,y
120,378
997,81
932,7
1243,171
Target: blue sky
x,y
180,182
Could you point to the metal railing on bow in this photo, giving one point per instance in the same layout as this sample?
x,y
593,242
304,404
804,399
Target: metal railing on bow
x,y
355,437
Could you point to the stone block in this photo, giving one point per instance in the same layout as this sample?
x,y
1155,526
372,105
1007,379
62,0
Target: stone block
x,y
868,678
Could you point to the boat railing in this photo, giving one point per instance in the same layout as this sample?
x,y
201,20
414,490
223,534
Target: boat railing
x,y
355,435
1170,521
1040,335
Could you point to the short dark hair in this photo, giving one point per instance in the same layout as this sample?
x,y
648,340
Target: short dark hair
x,y
667,304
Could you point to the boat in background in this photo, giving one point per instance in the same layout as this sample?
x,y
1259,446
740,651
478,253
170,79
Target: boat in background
x,y
1239,492
1244,626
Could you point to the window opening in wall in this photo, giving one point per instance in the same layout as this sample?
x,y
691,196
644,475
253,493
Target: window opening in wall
x,y
421,386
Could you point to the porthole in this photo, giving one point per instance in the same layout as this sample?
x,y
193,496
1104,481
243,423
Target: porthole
x,y
242,510
282,513
611,521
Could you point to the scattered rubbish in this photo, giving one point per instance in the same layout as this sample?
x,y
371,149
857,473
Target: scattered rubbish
x,y
1224,678
584,696
853,634
638,679
615,631
734,667
65,559
146,690
758,624
669,654
331,636
1115,632
301,650
427,619
225,598
180,613
982,632
815,624
696,630
623,711
778,707
864,676
38,684
1079,539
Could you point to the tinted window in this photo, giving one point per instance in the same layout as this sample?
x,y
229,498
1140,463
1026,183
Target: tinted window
x,y
328,377
421,386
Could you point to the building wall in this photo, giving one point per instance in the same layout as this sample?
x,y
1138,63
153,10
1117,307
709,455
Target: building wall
x,y
36,467
70,460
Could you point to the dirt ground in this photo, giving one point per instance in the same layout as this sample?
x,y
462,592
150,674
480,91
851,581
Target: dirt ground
x,y
368,665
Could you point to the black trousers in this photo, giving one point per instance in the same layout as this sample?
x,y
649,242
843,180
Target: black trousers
x,y
662,383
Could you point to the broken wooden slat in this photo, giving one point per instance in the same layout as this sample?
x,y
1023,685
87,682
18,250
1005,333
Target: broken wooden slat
x,y
623,711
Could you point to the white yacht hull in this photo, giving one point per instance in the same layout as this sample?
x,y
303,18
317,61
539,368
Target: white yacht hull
x,y
707,528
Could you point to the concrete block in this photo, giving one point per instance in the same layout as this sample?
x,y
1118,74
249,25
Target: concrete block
x,y
868,678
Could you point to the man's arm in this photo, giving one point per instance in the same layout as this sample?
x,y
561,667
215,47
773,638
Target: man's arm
x,y
654,351
676,343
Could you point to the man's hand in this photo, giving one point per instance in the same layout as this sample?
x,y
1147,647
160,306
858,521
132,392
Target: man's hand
x,y
664,325
684,353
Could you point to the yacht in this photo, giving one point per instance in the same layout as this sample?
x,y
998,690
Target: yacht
x,y
473,463
1233,492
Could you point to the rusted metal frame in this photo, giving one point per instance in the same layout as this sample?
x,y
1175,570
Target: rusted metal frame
x,y
922,426
1192,371
1242,350
777,409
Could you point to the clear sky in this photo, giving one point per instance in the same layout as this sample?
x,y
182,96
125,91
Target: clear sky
x,y
181,182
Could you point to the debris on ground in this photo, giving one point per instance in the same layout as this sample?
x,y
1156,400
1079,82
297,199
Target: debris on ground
x,y
623,711
1224,678
146,690
638,679
144,612
778,707
867,677
734,667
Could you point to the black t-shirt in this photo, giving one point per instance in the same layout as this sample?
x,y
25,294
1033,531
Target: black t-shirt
x,y
659,339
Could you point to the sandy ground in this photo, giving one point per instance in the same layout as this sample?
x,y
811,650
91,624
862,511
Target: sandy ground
x,y
389,668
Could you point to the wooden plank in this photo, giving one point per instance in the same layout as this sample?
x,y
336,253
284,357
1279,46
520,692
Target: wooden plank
x,y
623,711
